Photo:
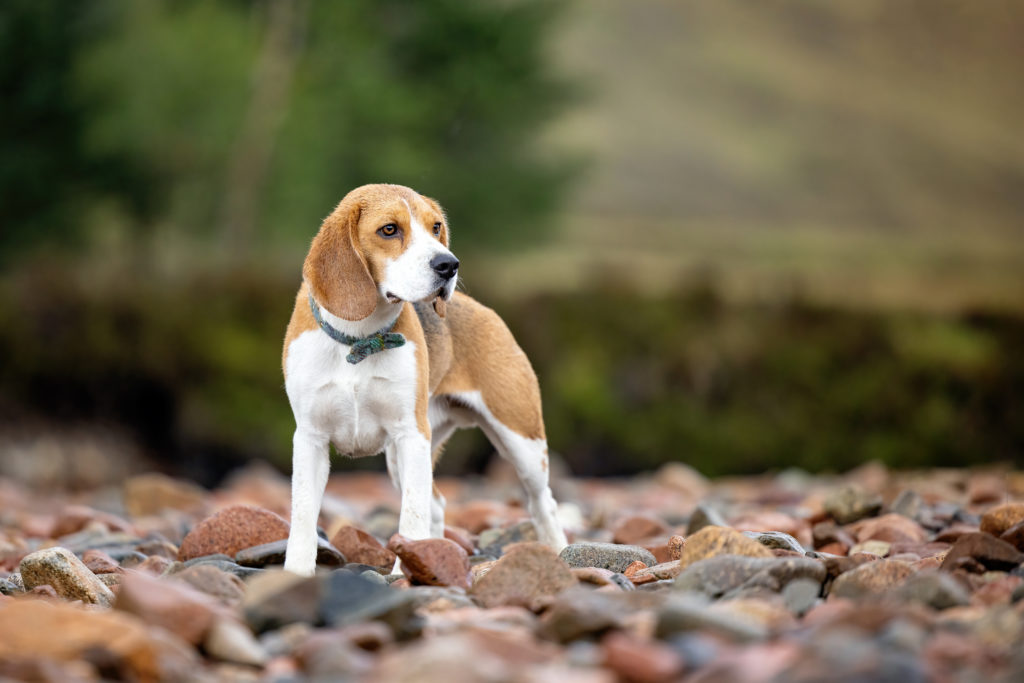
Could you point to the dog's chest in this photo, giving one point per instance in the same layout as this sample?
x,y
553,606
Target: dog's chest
x,y
361,406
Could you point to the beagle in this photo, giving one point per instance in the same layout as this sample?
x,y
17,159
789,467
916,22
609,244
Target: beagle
x,y
382,354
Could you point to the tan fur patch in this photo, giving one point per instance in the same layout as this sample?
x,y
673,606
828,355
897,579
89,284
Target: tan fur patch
x,y
302,320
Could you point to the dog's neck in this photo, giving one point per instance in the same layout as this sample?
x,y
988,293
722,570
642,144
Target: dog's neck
x,y
383,317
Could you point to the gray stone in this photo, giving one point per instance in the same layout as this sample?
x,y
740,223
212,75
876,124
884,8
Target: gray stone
x,y
689,612
17,581
909,504
230,641
273,554
776,539
801,595
726,574
70,578
381,522
374,576
704,515
936,589
492,542
851,502
605,555
221,562
579,612
8,588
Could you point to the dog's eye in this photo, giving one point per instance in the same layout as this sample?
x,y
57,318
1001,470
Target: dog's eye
x,y
437,229
389,230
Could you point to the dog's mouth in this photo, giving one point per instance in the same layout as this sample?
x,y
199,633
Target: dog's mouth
x,y
441,293
392,299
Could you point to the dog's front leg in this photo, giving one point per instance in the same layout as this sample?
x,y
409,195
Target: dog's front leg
x,y
415,478
310,466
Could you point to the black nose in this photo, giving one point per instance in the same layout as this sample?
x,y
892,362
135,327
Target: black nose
x,y
445,265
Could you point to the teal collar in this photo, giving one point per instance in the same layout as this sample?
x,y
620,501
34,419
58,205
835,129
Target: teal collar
x,y
361,346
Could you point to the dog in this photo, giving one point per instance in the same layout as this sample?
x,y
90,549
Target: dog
x,y
382,354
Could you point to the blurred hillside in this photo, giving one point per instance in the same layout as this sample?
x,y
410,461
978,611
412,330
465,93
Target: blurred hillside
x,y
867,153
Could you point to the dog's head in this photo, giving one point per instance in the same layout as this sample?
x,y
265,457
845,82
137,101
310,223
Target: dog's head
x,y
382,243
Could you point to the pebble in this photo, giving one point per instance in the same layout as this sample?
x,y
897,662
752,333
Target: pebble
x,y
983,550
527,572
800,595
1000,518
731,574
233,529
605,555
226,588
850,503
936,589
358,546
704,515
172,605
66,574
776,539
230,641
432,561
494,541
636,528
871,579
273,553
643,661
712,541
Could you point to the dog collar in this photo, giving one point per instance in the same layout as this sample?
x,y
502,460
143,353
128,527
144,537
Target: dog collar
x,y
361,346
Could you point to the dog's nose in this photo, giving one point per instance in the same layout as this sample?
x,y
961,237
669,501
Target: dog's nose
x,y
445,265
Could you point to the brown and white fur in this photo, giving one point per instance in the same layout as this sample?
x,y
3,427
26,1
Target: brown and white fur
x,y
374,262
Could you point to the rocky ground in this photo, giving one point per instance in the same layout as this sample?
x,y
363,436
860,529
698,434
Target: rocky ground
x,y
873,575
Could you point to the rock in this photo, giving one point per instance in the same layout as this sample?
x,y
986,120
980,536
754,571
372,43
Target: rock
x,y
9,588
685,613
28,629
642,661
776,539
230,641
684,479
226,588
358,546
477,516
675,547
151,494
908,503
850,503
997,591
348,598
772,521
461,537
730,574
432,561
528,571
991,552
221,562
578,613
830,534
871,579
273,554
154,565
98,562
635,528
659,572
172,605
74,518
277,598
938,590
605,555
233,529
494,541
891,528
713,541
331,655
158,547
704,515
800,595
1000,518
1014,536
877,548
72,580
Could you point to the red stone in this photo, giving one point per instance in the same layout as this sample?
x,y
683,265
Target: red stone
x,y
891,528
169,604
99,562
232,529
641,661
154,565
985,550
675,547
75,517
358,546
631,530
1014,536
432,561
461,537
1002,517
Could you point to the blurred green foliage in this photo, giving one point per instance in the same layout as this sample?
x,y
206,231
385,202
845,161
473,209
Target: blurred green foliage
x,y
629,381
256,116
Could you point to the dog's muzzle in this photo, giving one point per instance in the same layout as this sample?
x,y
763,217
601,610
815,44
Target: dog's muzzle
x,y
445,265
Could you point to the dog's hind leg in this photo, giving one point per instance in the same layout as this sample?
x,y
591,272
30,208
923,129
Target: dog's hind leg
x,y
529,457
310,466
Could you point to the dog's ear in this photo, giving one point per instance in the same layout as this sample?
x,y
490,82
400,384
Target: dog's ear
x,y
440,307
335,269
444,222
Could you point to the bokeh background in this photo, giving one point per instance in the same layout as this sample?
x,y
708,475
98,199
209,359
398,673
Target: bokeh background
x,y
746,236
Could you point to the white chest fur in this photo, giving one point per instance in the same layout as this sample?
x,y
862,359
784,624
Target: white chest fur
x,y
361,408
